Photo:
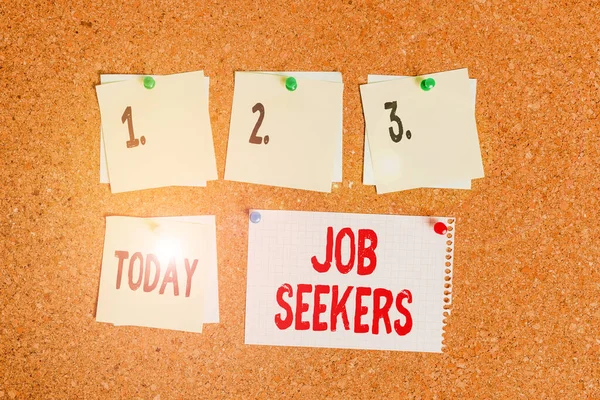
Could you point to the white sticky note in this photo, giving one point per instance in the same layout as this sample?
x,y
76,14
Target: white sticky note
x,y
158,137
438,143
154,273
369,178
284,138
348,280
111,78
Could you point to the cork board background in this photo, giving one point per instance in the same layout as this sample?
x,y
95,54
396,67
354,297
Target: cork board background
x,y
526,311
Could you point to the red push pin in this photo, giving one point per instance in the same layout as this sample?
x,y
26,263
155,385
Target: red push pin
x,y
440,228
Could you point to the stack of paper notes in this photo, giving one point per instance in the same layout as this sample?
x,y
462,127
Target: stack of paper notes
x,y
286,137
160,273
418,138
155,135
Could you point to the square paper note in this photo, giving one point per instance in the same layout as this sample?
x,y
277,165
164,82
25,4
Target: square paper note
x,y
157,137
284,138
348,280
368,176
422,138
111,78
156,272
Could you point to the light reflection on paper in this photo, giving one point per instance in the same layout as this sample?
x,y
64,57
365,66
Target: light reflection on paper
x,y
168,247
390,164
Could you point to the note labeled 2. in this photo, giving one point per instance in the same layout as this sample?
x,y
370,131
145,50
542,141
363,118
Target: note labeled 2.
x,y
282,137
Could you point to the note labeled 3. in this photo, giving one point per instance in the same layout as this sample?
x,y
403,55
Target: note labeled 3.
x,y
284,132
156,131
422,135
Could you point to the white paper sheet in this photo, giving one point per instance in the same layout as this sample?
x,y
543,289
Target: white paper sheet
x,y
410,257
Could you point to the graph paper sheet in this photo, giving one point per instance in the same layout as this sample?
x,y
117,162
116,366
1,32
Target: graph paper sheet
x,y
398,277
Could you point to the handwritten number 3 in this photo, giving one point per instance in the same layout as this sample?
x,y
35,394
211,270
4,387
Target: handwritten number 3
x,y
393,106
254,139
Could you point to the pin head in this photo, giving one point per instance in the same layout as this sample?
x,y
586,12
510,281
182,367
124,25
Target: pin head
x,y
255,217
149,82
440,228
291,84
427,84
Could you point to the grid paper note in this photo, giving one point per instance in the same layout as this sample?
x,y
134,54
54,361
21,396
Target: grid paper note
x,y
411,261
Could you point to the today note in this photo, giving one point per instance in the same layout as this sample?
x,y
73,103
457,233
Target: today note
x,y
156,272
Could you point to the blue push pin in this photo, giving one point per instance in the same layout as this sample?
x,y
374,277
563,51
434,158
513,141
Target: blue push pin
x,y
255,217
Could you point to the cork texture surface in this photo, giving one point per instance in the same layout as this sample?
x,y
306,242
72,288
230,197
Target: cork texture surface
x,y
526,297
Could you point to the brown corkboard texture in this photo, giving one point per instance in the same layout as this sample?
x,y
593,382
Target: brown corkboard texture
x,y
526,295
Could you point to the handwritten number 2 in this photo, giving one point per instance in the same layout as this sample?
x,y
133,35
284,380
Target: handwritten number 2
x,y
254,139
393,106
132,142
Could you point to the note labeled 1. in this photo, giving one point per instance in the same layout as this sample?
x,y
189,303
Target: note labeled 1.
x,y
157,137
422,138
283,137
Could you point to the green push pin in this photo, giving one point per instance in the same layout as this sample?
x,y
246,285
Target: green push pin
x,y
149,82
291,84
427,84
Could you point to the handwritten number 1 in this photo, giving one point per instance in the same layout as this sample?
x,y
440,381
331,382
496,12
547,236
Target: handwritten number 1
x,y
393,106
132,142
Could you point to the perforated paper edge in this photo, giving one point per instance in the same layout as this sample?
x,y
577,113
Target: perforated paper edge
x,y
448,281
